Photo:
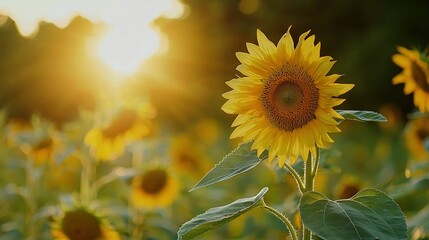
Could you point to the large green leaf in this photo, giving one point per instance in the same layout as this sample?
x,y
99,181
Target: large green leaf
x,y
414,185
242,159
362,116
370,214
218,216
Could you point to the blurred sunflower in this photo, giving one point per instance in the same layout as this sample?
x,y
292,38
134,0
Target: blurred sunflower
x,y
81,224
416,133
415,75
395,116
43,148
188,158
64,176
154,188
38,139
285,100
207,130
15,127
347,186
128,125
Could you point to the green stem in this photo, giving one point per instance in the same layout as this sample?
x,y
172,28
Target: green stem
x,y
316,164
110,177
135,226
86,180
284,219
309,186
296,176
30,199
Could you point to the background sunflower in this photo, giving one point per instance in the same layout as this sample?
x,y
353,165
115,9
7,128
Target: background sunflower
x,y
80,223
415,75
128,124
154,188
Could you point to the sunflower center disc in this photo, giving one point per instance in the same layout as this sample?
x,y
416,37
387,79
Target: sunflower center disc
x,y
422,134
123,121
290,98
81,225
154,181
288,95
44,144
419,76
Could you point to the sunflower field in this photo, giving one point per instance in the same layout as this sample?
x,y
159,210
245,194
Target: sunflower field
x,y
216,119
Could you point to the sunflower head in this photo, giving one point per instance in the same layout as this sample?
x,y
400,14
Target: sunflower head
x,y
207,130
15,127
416,133
129,124
415,75
285,99
347,187
64,175
154,188
187,158
395,116
81,224
122,122
42,147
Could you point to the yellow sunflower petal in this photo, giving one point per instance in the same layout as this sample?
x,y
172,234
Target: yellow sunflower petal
x,y
265,44
285,46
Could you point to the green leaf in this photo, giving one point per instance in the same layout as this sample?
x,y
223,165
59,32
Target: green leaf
x,y
419,224
370,214
362,116
242,159
414,185
218,216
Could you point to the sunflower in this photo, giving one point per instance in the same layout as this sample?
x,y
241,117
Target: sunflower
x,y
285,100
395,116
129,124
64,175
415,76
38,140
207,130
188,158
81,224
14,128
154,188
43,148
348,186
416,133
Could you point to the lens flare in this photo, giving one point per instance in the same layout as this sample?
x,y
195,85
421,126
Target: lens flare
x,y
124,51
130,38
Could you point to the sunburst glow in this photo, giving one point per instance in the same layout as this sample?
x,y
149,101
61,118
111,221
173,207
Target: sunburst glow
x,y
130,38
124,51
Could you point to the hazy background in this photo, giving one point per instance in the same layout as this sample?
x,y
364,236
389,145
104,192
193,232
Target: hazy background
x,y
53,73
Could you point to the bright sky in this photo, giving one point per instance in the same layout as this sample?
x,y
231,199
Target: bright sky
x,y
129,40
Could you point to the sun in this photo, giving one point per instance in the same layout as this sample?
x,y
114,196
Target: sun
x,y
129,39
124,51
